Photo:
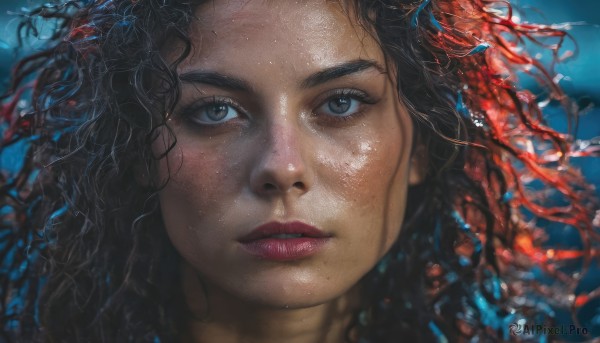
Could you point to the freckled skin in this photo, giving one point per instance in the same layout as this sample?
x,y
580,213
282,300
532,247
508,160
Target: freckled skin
x,y
278,161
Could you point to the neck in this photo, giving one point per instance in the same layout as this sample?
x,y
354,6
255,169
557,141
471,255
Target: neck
x,y
220,317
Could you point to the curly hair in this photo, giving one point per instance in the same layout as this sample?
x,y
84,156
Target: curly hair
x,y
84,252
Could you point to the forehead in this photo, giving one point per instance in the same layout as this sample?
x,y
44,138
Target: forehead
x,y
261,12
303,33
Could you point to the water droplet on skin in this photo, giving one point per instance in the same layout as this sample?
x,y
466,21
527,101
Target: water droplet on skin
x,y
365,147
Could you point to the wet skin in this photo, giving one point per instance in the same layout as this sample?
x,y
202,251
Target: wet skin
x,y
288,113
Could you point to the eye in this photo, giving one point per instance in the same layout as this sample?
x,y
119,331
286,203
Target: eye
x,y
213,112
343,104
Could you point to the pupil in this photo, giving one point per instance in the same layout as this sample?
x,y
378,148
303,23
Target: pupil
x,y
340,105
217,112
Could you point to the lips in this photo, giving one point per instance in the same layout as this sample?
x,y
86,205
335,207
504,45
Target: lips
x,y
277,229
284,241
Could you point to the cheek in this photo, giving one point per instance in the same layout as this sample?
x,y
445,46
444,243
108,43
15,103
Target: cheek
x,y
192,177
370,175
191,202
365,171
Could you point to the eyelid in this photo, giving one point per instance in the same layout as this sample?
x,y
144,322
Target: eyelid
x,y
187,112
349,92
362,97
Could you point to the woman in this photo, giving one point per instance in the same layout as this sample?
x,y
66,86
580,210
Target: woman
x,y
228,171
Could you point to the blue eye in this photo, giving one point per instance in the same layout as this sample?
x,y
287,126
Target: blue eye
x,y
340,106
214,113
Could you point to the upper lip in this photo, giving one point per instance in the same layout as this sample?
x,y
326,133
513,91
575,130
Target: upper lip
x,y
278,228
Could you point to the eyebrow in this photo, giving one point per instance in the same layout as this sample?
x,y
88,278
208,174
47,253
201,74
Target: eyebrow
x,y
232,83
215,79
340,70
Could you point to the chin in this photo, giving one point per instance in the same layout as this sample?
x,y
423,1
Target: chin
x,y
294,295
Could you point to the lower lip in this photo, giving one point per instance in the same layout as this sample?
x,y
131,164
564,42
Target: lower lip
x,y
284,249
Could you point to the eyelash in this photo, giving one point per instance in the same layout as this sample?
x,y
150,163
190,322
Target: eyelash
x,y
189,112
363,98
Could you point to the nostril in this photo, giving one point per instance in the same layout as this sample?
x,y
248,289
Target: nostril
x,y
299,185
269,187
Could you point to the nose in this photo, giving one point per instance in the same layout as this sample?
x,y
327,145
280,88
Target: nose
x,y
281,167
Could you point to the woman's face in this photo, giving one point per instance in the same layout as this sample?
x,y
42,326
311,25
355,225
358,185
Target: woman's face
x,y
289,116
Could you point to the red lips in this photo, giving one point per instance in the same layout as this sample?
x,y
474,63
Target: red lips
x,y
284,241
